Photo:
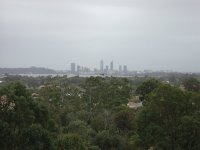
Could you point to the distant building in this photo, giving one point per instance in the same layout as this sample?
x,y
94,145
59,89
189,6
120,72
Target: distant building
x,y
73,68
107,68
134,105
101,66
35,95
125,70
78,69
120,69
111,66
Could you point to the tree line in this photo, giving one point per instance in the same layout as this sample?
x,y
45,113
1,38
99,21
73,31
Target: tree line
x,y
92,114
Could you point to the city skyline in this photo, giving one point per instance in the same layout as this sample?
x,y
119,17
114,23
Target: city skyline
x,y
77,67
154,35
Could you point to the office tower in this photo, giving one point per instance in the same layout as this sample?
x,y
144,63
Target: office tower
x,y
125,69
107,68
73,68
78,69
111,66
101,66
120,68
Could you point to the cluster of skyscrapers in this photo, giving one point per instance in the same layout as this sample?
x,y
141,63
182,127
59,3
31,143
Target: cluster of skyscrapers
x,y
107,69
79,69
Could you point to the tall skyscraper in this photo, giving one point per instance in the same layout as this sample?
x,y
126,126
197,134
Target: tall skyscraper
x,y
107,68
125,70
101,66
120,69
111,66
78,69
73,68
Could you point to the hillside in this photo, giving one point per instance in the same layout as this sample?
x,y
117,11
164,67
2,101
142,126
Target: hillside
x,y
31,70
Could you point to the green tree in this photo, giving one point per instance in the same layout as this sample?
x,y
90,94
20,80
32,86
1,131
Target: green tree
x,y
191,84
106,92
70,142
36,138
124,120
18,112
164,122
107,141
103,120
146,88
189,132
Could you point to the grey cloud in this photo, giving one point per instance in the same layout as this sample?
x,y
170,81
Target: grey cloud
x,y
156,34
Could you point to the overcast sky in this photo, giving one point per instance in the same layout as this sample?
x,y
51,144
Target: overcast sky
x,y
143,34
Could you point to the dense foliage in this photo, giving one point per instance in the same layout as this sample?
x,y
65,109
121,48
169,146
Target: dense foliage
x,y
92,114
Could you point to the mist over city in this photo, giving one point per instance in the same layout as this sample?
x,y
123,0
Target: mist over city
x,y
99,74
144,35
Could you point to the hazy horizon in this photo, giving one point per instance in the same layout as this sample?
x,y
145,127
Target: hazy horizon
x,y
142,34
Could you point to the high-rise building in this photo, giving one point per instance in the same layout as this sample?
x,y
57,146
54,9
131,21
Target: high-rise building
x,y
101,66
73,68
78,69
120,69
125,70
111,66
107,68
